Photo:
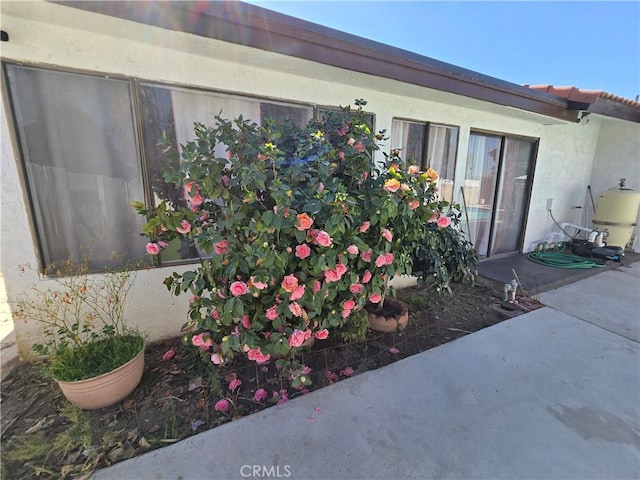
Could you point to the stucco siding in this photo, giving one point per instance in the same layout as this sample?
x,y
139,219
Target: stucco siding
x,y
617,156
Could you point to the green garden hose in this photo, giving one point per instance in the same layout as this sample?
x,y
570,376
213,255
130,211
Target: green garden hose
x,y
563,260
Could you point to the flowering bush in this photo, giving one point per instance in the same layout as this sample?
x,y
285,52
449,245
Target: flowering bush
x,y
297,229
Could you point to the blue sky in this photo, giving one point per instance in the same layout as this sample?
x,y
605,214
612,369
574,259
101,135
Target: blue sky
x,y
590,45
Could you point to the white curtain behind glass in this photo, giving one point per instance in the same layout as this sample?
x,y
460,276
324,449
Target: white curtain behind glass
x,y
77,138
441,157
190,107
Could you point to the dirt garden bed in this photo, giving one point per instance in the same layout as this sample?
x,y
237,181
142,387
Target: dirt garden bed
x,y
43,436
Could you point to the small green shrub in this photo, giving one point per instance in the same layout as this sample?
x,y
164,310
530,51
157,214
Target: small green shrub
x,y
95,358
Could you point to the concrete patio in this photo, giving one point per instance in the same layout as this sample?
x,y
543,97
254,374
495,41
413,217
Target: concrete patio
x,y
552,394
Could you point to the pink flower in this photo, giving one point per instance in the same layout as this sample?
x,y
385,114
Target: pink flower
x,y
347,372
215,314
341,268
413,204
234,384
296,309
331,275
365,226
366,256
289,283
222,405
200,342
375,298
217,359
332,377
341,155
283,396
351,141
238,288
304,221
303,251
394,350
194,298
246,322
196,200
444,221
272,313
316,286
185,227
297,338
189,186
153,248
386,233
343,130
353,250
386,259
322,334
345,313
297,293
258,285
366,276
359,147
169,354
413,169
221,247
323,239
356,288
260,395
434,216
256,355
163,244
348,305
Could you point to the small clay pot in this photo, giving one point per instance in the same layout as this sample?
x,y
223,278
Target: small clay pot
x,y
392,316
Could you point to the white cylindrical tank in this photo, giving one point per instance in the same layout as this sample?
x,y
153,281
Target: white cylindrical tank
x,y
616,213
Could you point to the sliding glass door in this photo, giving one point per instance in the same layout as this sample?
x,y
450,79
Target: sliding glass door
x,y
496,191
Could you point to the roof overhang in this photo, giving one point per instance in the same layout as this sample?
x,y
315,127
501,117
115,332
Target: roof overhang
x,y
256,27
595,101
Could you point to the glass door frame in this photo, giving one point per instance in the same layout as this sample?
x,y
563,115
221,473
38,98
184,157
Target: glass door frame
x,y
496,194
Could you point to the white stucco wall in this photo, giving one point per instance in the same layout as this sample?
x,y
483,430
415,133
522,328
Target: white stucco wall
x,y
617,156
53,35
563,171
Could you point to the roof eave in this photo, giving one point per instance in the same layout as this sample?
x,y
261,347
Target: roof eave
x,y
256,27
613,109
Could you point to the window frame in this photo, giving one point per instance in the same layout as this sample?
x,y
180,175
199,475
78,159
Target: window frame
x,y
426,125
143,156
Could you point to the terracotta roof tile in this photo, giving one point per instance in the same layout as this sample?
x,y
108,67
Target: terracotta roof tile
x,y
581,95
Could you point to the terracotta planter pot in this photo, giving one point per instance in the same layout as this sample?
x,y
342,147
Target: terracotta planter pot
x,y
392,316
106,389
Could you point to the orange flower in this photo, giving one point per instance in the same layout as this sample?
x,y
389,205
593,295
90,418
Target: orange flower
x,y
432,174
304,221
392,185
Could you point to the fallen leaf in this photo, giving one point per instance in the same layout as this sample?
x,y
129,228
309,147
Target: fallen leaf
x,y
195,382
42,423
143,443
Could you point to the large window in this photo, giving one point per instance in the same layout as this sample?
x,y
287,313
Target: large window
x,y
82,158
77,138
430,146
